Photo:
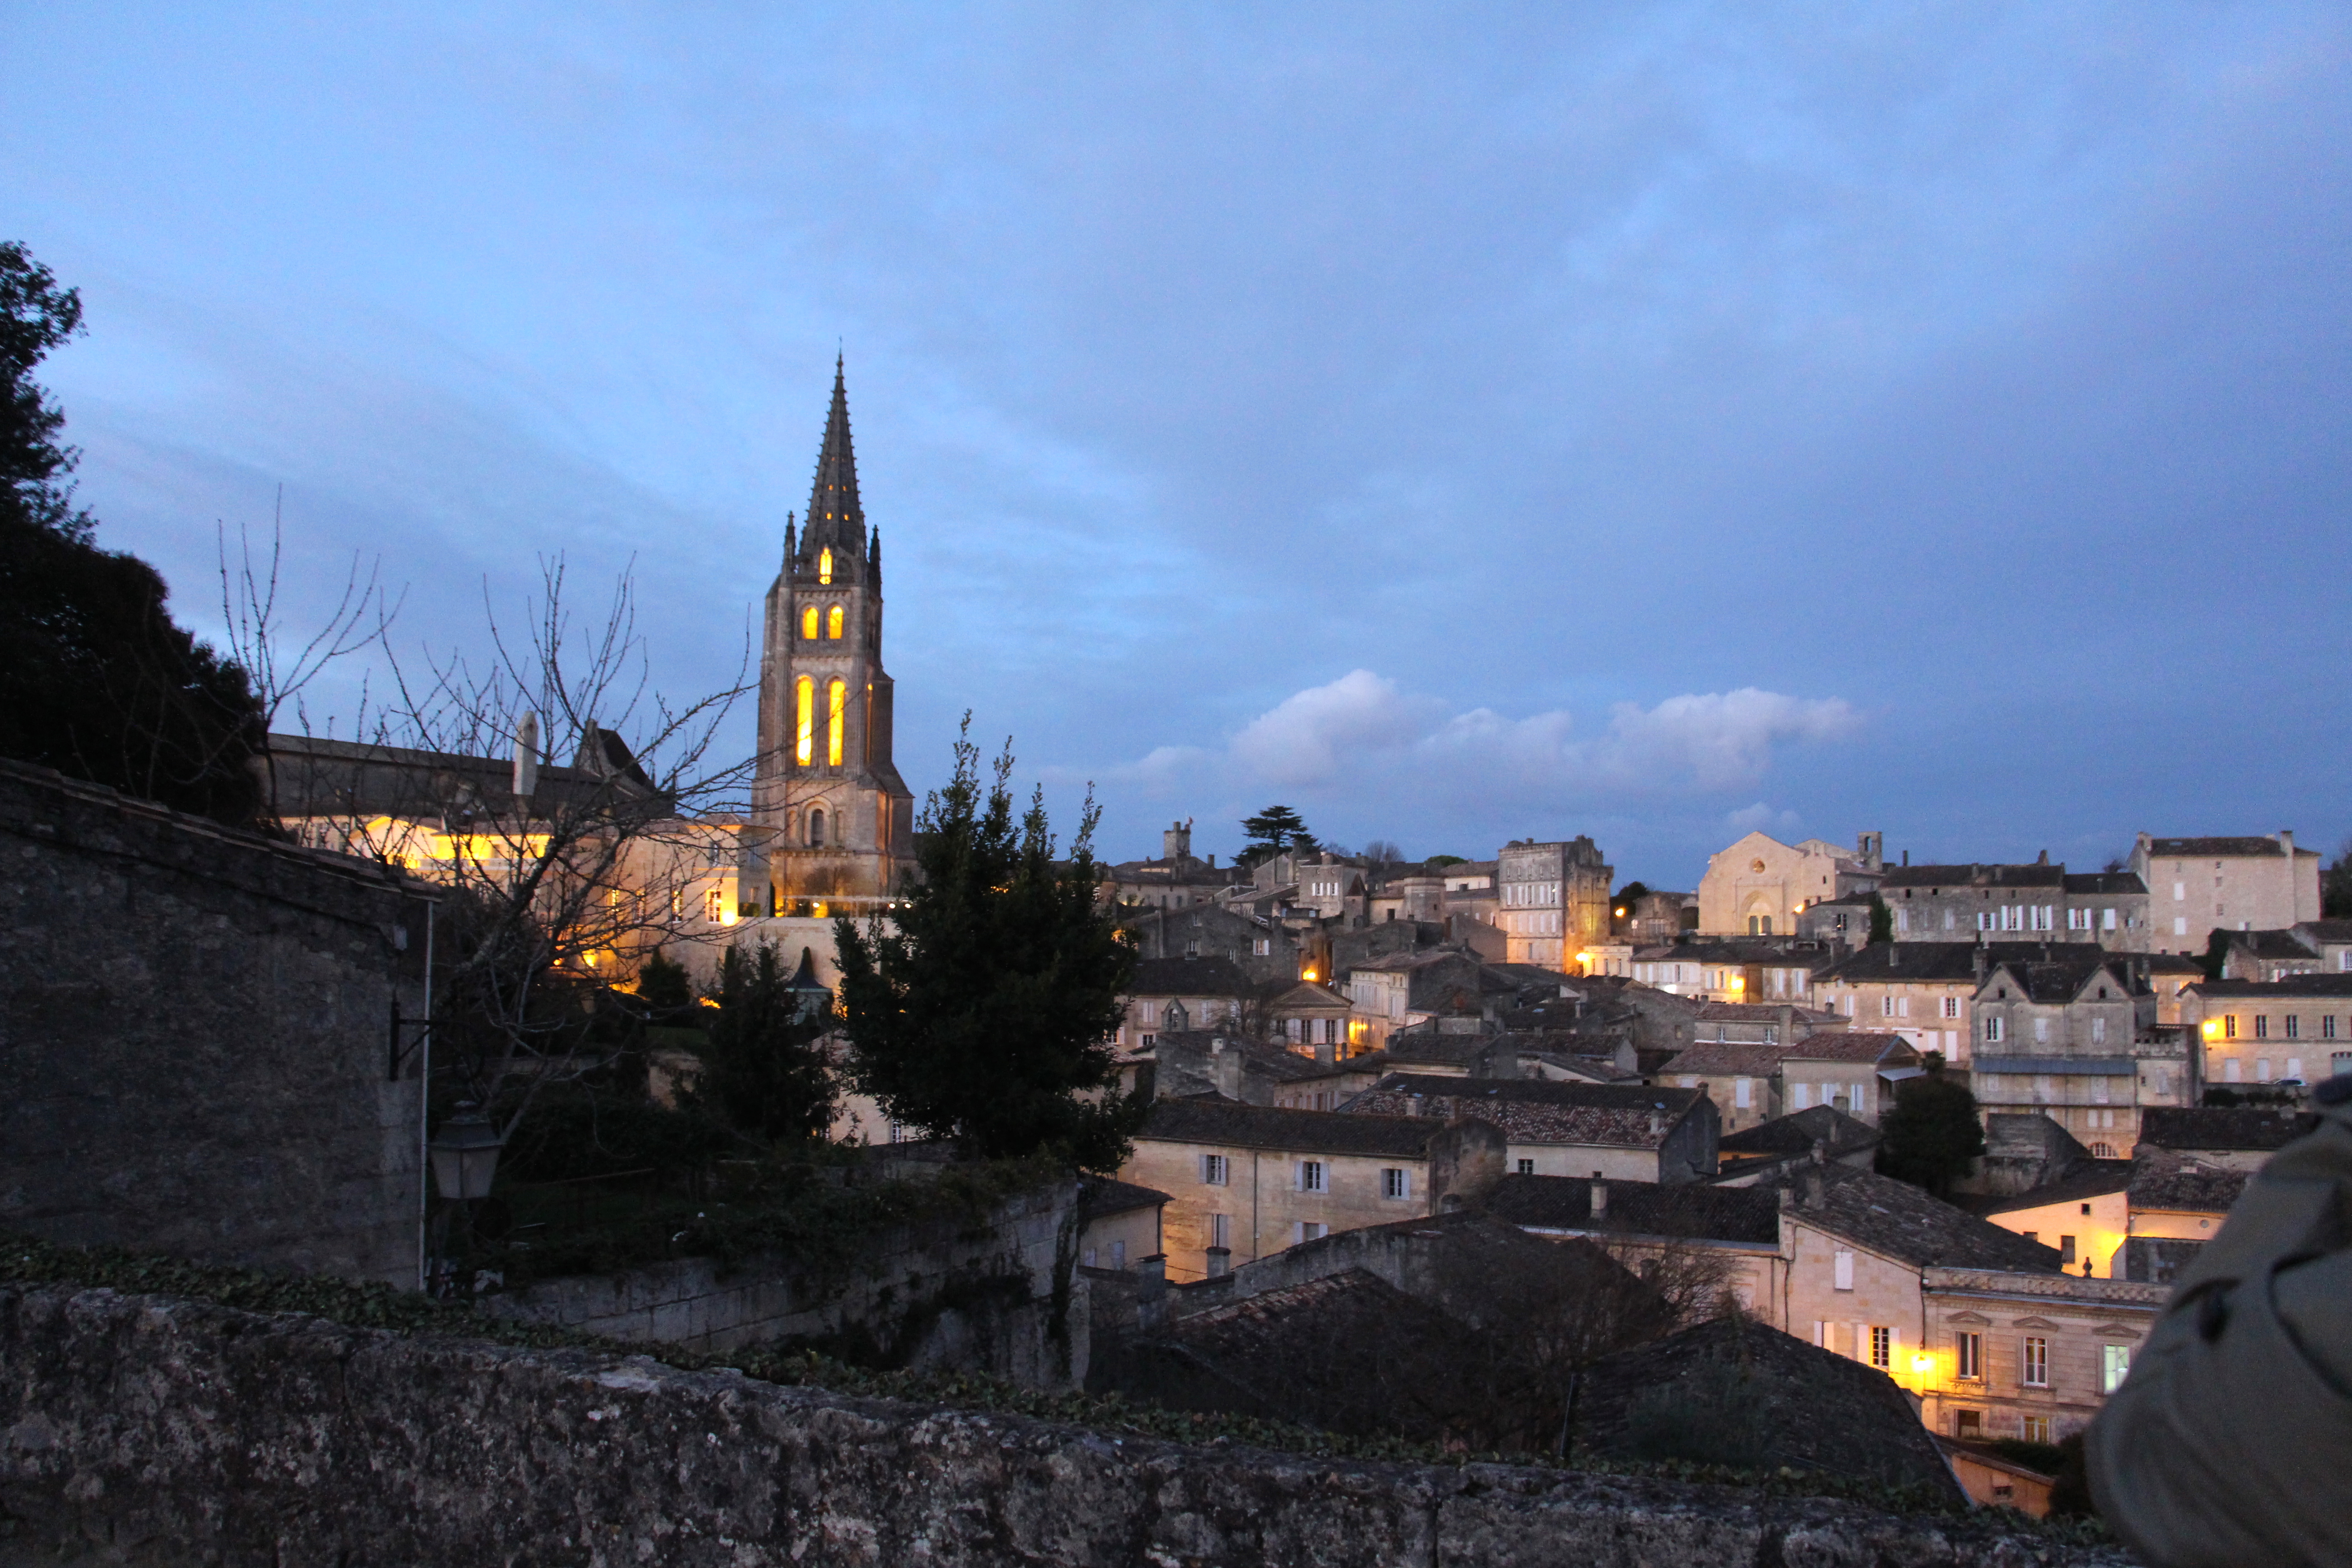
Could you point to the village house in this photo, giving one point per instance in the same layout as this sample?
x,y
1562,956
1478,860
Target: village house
x,y
2074,1035
1119,1223
2086,1215
1844,924
1204,994
1310,1017
1738,1227
2268,955
1852,1070
1735,970
1264,948
1174,881
1742,1079
1760,1023
1399,991
1761,1155
1245,1180
2298,1028
2020,1353
1758,886
2198,885
1629,1132
2039,901
2222,1138
1552,901
1920,990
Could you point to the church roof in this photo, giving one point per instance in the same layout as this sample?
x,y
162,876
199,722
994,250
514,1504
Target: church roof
x,y
834,515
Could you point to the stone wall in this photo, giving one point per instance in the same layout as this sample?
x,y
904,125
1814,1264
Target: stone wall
x,y
158,1432
998,1294
195,1037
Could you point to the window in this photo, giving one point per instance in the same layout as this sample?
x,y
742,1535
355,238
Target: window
x,y
1881,1346
2034,1428
816,827
1993,1031
1118,1254
1968,1423
713,903
1742,1095
2261,1026
2033,1369
2107,919
2229,1027
804,731
2230,1070
2327,1027
2066,1249
2294,1067
1396,1183
1214,1171
1526,1167
2294,1026
1842,1269
1968,1356
833,623
1951,1007
2263,1069
808,624
836,709
1312,1230
825,565
1220,1229
1799,1097
2098,1030
2179,892
2041,1031
1314,1176
2115,1362
1262,947
2044,917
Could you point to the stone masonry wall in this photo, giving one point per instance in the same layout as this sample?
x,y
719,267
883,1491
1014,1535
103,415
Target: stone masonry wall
x,y
997,1295
160,1432
195,1037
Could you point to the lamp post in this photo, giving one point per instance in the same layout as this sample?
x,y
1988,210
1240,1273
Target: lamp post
x,y
465,1155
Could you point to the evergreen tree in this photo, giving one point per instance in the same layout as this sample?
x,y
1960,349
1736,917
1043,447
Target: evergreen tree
x,y
95,679
988,1014
764,1071
1271,831
663,989
1881,919
2217,953
1932,1132
2335,887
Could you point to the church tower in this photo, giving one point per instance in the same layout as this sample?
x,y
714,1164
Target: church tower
x,y
832,822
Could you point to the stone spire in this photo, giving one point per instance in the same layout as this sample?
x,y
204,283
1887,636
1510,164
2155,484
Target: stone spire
x,y
835,517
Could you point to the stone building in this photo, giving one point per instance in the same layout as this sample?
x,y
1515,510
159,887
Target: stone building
x,y
2250,1032
1852,1070
1245,1180
1736,969
2198,885
2074,1035
1265,949
1627,1132
1759,885
831,822
2035,903
1173,994
1552,901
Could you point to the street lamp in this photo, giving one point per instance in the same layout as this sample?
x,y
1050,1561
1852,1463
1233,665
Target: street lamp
x,y
466,1153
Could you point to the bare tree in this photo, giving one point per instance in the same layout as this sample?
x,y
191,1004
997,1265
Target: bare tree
x,y
562,875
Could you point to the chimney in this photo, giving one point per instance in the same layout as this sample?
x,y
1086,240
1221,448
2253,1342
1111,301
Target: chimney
x,y
1906,857
526,759
1820,1152
1600,1199
1982,963
1657,1122
2286,842
1813,1189
2045,859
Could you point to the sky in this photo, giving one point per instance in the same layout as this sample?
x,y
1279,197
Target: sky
x,y
1460,424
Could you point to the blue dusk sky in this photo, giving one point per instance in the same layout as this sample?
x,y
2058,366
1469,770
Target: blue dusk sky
x,y
1458,422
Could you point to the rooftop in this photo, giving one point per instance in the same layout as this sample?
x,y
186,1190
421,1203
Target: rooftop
x,y
2097,1179
1204,1120
2038,875
1797,1131
1188,977
1099,1195
2286,986
1536,1110
2219,1126
2169,1183
1899,1221
1852,1045
1726,1059
1747,1215
2217,848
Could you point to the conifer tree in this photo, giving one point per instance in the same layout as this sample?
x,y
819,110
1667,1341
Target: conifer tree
x,y
1932,1132
764,1071
988,1014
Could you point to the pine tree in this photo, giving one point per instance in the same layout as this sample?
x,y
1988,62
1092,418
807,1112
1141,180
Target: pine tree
x,y
988,1014
1271,831
764,1071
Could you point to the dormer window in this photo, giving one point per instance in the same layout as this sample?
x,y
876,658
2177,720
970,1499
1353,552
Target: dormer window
x,y
824,565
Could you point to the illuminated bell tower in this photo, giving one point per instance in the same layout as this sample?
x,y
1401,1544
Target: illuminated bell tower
x,y
832,821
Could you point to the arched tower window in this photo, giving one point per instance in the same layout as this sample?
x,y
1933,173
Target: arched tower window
x,y
808,624
804,696
836,705
816,827
833,622
824,565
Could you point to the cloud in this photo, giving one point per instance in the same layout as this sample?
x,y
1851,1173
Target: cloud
x,y
1760,818
1363,731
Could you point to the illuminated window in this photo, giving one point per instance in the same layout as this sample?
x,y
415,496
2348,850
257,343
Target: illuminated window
x,y
825,566
804,691
833,622
836,707
2034,1368
808,624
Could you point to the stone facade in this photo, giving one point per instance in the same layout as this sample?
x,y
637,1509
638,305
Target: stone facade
x,y
172,1432
1553,901
2196,885
195,1038
1759,885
